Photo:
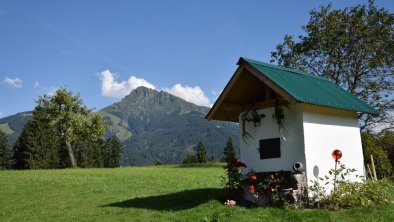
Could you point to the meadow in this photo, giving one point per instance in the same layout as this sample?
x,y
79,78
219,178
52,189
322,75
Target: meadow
x,y
157,193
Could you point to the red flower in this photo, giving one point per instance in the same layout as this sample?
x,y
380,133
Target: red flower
x,y
277,185
253,177
272,177
237,163
251,188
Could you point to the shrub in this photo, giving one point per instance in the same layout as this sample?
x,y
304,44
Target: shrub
x,y
347,194
190,159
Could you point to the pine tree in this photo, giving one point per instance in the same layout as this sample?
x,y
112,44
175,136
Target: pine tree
x,y
38,145
5,152
112,152
229,150
89,153
233,180
201,153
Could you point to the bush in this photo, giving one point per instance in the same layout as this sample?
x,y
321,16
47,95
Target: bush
x,y
190,159
347,194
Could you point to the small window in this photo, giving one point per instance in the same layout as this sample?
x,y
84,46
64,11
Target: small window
x,y
269,148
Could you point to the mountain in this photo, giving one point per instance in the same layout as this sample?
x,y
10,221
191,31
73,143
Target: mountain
x,y
157,126
13,125
154,126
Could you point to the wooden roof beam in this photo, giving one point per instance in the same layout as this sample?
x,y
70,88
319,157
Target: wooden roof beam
x,y
269,82
232,107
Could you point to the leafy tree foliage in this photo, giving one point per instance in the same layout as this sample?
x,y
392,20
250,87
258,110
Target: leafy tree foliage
x,y
201,152
353,47
62,130
5,152
112,152
73,120
371,147
37,146
386,141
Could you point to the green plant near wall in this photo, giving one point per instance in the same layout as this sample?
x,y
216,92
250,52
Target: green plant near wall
x,y
347,193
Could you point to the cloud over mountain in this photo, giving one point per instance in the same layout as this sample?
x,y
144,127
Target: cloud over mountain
x,y
191,94
111,88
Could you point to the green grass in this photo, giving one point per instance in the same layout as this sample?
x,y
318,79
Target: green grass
x,y
162,193
6,128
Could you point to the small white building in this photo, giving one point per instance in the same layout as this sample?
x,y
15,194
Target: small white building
x,y
287,116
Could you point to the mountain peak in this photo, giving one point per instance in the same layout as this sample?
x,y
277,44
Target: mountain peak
x,y
142,91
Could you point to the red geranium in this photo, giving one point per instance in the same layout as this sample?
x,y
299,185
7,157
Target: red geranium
x,y
237,163
253,177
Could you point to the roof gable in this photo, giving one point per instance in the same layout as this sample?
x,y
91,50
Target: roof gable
x,y
293,86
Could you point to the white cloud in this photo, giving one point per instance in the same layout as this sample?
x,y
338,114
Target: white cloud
x,y
16,83
36,84
111,88
1,114
191,94
50,91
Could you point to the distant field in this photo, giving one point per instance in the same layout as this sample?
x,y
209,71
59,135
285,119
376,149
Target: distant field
x,y
6,128
163,193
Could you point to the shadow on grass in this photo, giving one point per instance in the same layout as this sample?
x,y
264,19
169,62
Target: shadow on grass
x,y
174,201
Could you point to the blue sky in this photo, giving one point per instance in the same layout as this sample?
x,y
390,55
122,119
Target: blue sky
x,y
103,49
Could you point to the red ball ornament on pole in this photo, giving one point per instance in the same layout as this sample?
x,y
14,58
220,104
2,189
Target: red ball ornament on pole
x,y
336,154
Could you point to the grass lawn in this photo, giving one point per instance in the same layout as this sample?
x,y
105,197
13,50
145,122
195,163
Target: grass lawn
x,y
162,193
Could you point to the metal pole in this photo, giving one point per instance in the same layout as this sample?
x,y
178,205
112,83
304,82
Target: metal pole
x,y
335,175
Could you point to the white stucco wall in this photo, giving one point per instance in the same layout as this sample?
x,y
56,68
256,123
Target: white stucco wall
x,y
291,148
327,129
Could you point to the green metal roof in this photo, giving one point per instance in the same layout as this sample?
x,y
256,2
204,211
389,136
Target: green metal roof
x,y
311,89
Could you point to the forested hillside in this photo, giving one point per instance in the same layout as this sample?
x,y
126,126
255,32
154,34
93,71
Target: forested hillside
x,y
154,127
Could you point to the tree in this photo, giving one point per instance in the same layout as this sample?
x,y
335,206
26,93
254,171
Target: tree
x,y
89,153
370,147
190,159
201,152
38,145
5,152
112,152
386,141
229,150
233,177
354,48
72,119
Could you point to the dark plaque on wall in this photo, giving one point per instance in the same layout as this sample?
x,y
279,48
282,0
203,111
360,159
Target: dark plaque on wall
x,y
269,148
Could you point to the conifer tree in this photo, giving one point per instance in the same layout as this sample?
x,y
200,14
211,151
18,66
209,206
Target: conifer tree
x,y
5,152
89,153
112,152
201,152
229,150
233,177
38,145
